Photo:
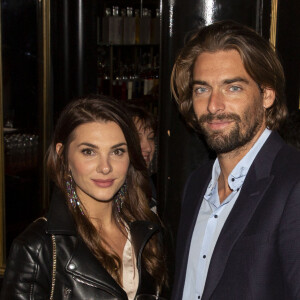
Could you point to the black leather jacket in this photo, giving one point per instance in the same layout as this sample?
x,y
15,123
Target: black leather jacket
x,y
79,275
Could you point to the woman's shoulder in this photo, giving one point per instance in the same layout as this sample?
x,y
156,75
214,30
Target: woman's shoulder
x,y
34,236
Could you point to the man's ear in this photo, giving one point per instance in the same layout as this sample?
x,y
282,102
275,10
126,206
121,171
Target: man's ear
x,y
58,148
268,97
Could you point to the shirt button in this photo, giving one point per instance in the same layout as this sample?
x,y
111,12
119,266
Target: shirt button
x,y
198,297
215,216
204,256
232,179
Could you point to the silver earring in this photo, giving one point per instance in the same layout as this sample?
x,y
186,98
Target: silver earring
x,y
71,193
120,197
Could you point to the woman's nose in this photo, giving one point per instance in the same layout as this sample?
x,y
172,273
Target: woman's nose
x,y
104,166
145,145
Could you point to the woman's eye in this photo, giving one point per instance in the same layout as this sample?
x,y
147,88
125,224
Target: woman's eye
x,y
87,151
119,152
151,137
235,88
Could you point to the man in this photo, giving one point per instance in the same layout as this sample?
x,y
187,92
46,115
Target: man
x,y
239,233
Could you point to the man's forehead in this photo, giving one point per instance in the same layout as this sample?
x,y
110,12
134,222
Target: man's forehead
x,y
223,64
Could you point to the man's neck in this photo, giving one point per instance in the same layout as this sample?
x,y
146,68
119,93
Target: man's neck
x,y
228,161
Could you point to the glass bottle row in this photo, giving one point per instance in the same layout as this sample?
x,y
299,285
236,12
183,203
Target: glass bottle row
x,y
130,26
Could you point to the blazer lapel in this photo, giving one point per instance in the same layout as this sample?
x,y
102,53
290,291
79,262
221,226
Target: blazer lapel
x,y
234,226
193,197
257,182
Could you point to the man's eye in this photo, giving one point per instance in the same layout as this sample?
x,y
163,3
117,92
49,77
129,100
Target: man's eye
x,y
200,90
235,88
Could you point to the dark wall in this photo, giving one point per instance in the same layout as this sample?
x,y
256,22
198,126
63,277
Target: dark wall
x,y
288,45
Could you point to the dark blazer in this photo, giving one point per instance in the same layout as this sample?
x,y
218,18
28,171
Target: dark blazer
x,y
79,275
257,255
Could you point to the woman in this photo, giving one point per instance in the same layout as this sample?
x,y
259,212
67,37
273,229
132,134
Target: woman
x,y
100,239
146,125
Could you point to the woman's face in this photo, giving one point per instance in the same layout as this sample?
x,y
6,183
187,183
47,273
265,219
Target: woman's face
x,y
98,160
147,141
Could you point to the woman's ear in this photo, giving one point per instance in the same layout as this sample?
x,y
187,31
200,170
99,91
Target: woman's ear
x,y
58,148
268,97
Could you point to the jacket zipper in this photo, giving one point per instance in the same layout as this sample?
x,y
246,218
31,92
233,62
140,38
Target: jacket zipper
x,y
95,286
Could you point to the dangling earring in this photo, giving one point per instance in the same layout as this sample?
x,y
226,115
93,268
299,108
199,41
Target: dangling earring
x,y
71,193
120,196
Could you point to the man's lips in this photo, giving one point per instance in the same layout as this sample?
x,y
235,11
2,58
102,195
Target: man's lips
x,y
218,124
103,183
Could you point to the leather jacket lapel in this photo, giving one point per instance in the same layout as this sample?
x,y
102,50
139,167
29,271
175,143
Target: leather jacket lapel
x,y
141,232
85,268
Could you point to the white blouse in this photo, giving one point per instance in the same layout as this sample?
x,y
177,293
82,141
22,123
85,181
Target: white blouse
x,y
130,271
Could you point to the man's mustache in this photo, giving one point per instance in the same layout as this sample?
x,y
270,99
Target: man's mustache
x,y
219,117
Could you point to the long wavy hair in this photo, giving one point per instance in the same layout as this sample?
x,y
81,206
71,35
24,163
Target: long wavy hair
x,y
100,108
257,54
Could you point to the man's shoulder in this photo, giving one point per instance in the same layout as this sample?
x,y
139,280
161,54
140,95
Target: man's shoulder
x,y
201,174
288,158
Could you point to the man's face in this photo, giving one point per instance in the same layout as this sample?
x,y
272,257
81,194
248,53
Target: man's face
x,y
227,102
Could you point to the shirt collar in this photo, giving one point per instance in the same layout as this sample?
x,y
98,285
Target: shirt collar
x,y
238,174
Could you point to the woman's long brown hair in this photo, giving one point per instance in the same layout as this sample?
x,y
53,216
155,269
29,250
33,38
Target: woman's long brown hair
x,y
136,207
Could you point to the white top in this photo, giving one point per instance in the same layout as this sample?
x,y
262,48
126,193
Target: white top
x,y
130,271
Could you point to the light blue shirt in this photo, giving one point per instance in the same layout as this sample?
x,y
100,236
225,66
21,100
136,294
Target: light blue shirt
x,y
211,219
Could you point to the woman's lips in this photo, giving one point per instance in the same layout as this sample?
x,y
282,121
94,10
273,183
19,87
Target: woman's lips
x,y
103,183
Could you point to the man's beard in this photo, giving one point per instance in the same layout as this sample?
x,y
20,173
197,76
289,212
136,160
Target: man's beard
x,y
237,137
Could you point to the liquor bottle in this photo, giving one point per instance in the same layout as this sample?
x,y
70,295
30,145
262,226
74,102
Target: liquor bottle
x,y
103,78
117,28
137,25
145,26
123,16
155,28
129,27
107,26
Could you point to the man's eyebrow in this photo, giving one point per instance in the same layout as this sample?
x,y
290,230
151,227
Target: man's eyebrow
x,y
201,82
225,81
235,79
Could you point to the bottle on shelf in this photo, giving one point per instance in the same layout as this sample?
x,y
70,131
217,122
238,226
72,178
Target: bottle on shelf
x,y
107,25
129,27
155,28
137,25
117,26
145,26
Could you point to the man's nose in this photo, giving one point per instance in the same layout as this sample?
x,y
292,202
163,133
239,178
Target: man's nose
x,y
216,102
